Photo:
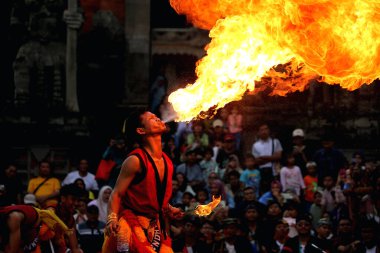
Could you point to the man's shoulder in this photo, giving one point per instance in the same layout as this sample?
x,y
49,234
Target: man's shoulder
x,y
132,160
182,166
261,142
256,143
54,179
196,166
38,180
90,176
34,180
73,173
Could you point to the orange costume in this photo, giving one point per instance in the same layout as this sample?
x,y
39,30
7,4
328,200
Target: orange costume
x,y
142,222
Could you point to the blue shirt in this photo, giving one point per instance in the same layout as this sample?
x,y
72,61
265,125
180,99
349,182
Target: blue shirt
x,y
251,178
193,172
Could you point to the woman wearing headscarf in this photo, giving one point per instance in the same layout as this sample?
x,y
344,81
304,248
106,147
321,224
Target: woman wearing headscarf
x,y
102,202
217,189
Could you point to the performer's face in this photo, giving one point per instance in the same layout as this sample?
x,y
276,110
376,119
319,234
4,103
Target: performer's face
x,y
152,124
70,202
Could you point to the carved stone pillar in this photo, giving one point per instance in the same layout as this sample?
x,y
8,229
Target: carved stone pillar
x,y
137,32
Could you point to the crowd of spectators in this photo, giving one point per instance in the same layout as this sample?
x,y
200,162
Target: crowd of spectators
x,y
276,196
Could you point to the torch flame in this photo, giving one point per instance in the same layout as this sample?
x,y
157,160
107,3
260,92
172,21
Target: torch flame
x,y
204,210
334,41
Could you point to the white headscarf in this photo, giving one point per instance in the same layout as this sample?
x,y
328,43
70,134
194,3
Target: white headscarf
x,y
101,204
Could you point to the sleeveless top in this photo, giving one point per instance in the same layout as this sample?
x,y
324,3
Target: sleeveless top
x,y
147,195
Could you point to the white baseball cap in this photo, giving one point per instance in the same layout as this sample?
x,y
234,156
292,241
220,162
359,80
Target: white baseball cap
x,y
217,123
30,199
298,132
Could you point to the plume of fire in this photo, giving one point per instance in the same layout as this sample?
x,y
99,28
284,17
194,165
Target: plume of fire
x,y
204,210
282,43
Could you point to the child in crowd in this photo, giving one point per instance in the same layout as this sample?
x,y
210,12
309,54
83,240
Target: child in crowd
x,y
81,211
201,197
323,235
208,165
234,187
198,138
332,194
251,175
232,164
291,176
316,208
311,183
91,232
291,211
187,200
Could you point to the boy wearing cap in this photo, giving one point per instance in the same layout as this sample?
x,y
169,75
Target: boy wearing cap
x,y
323,239
216,133
301,152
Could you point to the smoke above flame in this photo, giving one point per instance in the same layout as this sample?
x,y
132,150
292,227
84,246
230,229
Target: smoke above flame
x,y
281,43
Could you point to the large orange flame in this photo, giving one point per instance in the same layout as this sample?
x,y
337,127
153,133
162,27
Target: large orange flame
x,y
288,41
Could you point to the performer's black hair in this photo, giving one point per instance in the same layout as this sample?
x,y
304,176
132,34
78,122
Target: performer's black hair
x,y
133,122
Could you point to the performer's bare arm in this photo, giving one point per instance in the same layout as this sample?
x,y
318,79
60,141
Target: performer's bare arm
x,y
174,212
73,243
130,167
14,225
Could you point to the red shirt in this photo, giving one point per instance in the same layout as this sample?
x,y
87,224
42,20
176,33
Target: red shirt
x,y
147,190
311,184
